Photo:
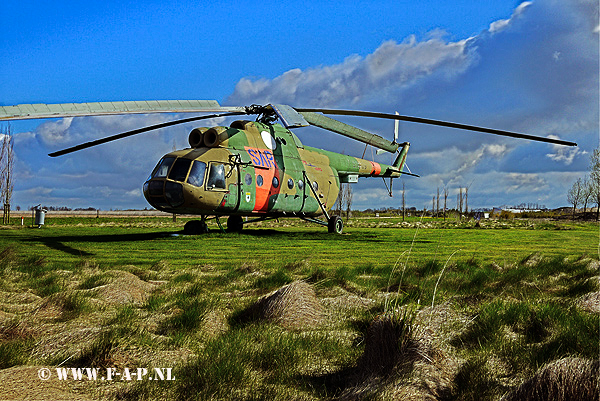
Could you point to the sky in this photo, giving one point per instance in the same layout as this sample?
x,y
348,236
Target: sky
x,y
528,67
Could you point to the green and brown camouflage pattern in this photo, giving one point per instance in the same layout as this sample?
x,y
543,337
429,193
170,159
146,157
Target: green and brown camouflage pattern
x,y
267,171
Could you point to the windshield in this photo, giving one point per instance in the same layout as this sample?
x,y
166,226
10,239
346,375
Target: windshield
x,y
162,168
180,169
196,177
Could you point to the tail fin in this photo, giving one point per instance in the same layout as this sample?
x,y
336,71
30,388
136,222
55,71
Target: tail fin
x,y
399,162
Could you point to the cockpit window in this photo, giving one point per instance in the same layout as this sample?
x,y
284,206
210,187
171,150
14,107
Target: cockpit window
x,y
216,177
161,170
180,169
196,177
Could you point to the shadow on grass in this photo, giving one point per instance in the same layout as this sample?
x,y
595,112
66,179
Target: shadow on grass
x,y
59,243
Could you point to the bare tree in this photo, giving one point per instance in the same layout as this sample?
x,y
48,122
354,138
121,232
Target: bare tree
x,y
403,202
340,200
445,200
6,170
595,180
575,194
586,193
348,200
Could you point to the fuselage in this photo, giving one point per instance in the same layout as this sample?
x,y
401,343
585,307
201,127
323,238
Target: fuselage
x,y
253,169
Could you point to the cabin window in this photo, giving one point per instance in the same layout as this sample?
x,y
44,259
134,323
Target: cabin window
x,y
275,182
180,169
196,177
216,177
259,180
290,183
162,168
315,185
248,179
300,184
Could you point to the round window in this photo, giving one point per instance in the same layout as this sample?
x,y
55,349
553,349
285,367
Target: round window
x,y
248,179
290,183
275,182
259,180
300,184
315,186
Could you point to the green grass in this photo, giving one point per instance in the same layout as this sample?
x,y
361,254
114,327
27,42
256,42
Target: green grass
x,y
515,284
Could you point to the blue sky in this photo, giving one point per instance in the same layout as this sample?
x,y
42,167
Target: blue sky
x,y
524,66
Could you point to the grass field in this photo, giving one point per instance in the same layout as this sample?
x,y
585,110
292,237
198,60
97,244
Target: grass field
x,y
388,310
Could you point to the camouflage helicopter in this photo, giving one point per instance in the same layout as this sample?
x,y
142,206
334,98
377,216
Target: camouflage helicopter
x,y
255,169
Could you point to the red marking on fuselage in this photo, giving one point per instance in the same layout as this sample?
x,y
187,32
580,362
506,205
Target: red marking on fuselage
x,y
265,166
375,168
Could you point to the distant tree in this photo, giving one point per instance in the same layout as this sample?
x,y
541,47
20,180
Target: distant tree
x,y
574,196
586,193
340,201
7,158
594,185
445,200
348,201
403,202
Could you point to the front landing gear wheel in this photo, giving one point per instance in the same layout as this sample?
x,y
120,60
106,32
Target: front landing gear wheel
x,y
195,227
235,224
335,225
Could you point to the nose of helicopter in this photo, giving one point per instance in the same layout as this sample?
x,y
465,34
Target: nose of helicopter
x,y
163,194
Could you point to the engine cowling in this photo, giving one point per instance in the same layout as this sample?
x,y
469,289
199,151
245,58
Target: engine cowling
x,y
196,138
214,136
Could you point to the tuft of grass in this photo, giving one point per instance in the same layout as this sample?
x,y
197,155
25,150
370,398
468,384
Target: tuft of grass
x,y
99,354
93,281
15,352
475,381
70,305
527,335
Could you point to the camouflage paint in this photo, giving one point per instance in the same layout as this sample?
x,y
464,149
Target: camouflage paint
x,y
267,172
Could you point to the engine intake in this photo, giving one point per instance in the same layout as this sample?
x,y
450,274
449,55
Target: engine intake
x,y
214,136
196,138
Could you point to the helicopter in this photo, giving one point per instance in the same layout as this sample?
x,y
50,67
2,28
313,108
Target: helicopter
x,y
257,170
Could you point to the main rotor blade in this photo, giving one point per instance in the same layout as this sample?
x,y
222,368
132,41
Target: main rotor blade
x,y
138,131
439,123
61,110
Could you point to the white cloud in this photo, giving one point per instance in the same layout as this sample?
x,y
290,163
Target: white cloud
x,y
55,132
564,154
502,24
390,67
528,183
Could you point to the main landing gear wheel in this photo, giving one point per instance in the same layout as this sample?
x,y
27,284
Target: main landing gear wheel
x,y
234,224
335,225
195,227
